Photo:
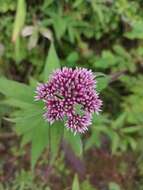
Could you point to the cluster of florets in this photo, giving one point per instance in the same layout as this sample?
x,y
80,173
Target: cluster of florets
x,y
66,90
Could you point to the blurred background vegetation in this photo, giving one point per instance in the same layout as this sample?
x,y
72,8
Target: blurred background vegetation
x,y
103,35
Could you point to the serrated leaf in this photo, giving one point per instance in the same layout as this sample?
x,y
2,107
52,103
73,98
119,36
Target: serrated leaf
x,y
16,90
52,62
31,125
27,122
26,119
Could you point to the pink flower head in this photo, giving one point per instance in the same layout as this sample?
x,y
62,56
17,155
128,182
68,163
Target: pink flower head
x,y
66,89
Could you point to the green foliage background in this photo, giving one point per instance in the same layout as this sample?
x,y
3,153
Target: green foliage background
x,y
38,36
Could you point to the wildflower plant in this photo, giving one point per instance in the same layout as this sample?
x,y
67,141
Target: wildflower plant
x,y
70,95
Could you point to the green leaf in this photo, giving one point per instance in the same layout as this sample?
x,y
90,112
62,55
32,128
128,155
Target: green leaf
x,y
119,50
52,62
107,60
100,120
124,144
72,58
85,185
31,125
40,141
94,139
131,129
59,24
132,142
74,141
114,186
27,121
115,142
56,133
75,185
26,138
15,103
120,121
102,83
19,19
72,33
77,3
33,82
136,32
20,49
16,90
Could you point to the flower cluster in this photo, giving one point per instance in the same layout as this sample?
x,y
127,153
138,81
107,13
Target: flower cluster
x,y
66,90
